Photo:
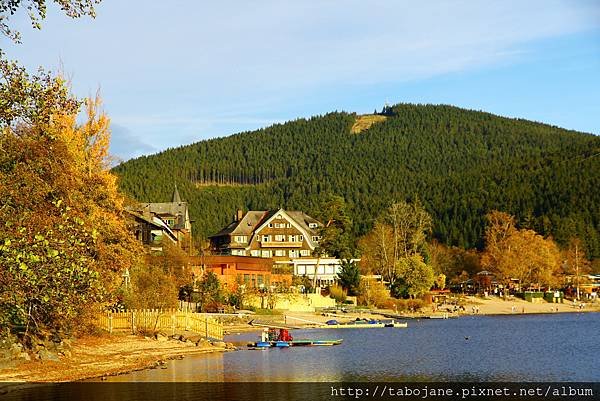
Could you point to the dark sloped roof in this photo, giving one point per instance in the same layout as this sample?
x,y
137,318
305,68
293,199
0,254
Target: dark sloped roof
x,y
304,220
255,218
245,226
176,197
178,210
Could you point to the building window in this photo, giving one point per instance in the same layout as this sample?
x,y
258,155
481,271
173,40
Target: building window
x,y
305,252
300,238
315,238
280,238
313,225
246,278
266,238
259,280
255,252
241,239
266,254
279,252
288,225
293,253
292,238
270,225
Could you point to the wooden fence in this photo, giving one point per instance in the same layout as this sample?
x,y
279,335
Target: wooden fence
x,y
165,321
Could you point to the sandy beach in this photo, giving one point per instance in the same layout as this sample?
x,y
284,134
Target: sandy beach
x,y
499,306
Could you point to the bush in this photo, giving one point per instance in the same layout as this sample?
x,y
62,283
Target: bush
x,y
373,293
409,305
338,293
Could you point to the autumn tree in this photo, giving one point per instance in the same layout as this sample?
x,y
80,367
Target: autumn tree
x,y
395,245
175,262
64,242
452,262
151,288
373,293
377,251
576,263
415,277
520,254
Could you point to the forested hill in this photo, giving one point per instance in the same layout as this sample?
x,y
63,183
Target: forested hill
x,y
459,163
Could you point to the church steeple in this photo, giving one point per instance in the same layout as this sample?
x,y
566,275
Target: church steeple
x,y
176,197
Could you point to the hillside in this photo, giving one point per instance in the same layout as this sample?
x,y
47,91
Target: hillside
x,y
460,163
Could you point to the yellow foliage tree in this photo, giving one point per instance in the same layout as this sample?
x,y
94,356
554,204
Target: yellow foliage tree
x,y
64,241
520,254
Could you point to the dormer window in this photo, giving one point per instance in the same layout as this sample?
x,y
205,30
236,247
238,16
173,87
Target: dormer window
x,y
313,225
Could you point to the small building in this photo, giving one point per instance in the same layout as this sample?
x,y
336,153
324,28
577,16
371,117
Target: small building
x,y
235,270
323,271
151,230
175,215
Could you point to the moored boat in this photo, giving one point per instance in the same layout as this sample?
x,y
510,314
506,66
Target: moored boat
x,y
364,324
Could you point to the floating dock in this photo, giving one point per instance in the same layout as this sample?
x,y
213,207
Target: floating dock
x,y
293,343
364,325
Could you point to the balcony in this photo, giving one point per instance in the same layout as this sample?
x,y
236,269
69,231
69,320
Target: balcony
x,y
281,244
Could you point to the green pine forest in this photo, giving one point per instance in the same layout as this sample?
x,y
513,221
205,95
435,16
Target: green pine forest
x,y
459,163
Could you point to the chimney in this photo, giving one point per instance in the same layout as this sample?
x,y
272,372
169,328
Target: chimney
x,y
239,215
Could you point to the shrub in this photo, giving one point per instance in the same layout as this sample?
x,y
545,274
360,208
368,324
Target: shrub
x,y
338,293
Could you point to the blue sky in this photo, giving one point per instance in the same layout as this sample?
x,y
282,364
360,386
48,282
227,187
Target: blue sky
x,y
174,73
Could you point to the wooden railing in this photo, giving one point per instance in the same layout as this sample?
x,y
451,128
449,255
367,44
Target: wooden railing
x,y
165,321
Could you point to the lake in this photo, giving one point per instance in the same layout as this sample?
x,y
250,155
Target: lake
x,y
510,348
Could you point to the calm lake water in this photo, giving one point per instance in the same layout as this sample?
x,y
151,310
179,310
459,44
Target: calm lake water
x,y
557,347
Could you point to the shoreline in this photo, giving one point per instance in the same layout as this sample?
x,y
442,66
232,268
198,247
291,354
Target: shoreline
x,y
99,357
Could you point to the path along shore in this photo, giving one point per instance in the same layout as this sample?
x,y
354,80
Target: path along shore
x,y
93,357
